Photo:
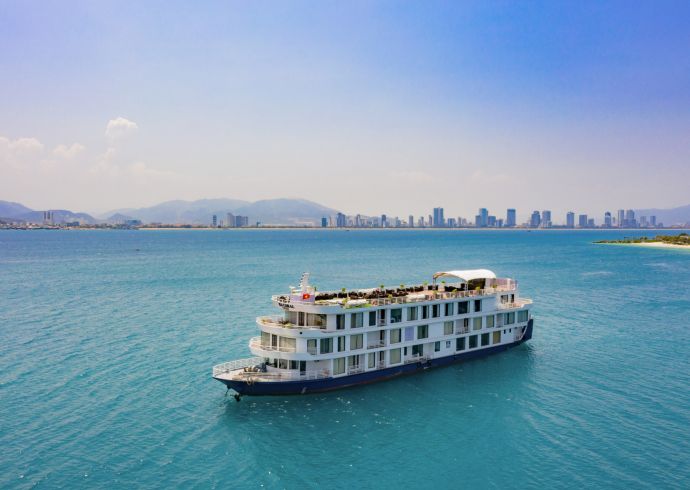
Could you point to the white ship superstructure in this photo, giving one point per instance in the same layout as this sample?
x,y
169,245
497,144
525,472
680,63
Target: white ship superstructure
x,y
330,340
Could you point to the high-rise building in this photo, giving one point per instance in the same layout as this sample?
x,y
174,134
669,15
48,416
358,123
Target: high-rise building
x,y
420,222
582,221
630,221
511,217
535,219
439,220
230,220
410,221
482,218
621,218
643,222
652,220
607,219
590,223
324,222
384,221
214,221
499,223
451,223
570,219
340,220
546,219
491,221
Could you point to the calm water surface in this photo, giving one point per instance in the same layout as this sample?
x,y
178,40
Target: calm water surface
x,y
107,340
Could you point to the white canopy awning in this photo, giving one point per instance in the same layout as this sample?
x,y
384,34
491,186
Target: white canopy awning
x,y
468,275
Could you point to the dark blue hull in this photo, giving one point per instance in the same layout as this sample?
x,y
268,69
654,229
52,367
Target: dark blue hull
x,y
321,385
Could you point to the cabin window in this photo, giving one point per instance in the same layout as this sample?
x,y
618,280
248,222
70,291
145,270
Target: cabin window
x,y
449,309
301,321
418,350
477,305
341,344
356,341
497,337
265,339
357,320
411,313
437,346
463,307
505,299
447,344
510,317
485,339
522,316
353,362
339,365
372,318
316,320
394,357
425,312
477,323
395,335
340,322
435,311
396,315
371,360
423,331
490,321
288,344
472,341
293,364
282,364
327,345
460,343
311,346
409,333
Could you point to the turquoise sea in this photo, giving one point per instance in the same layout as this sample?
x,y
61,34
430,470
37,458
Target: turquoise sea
x,y
107,340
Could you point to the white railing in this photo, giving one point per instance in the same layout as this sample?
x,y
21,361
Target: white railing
x,y
376,345
226,367
516,304
410,360
355,370
459,330
251,377
256,343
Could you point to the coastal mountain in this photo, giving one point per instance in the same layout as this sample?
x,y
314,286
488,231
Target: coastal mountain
x,y
669,217
19,212
268,212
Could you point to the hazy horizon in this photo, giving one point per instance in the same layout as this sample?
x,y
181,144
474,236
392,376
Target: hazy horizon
x,y
370,108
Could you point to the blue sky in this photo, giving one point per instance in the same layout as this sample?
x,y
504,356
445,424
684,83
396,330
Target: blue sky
x,y
367,107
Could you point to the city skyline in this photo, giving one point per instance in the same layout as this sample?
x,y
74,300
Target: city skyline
x,y
367,106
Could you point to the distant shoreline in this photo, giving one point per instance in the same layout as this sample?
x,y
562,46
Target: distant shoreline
x,y
651,245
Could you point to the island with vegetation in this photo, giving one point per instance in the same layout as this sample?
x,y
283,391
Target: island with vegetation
x,y
668,241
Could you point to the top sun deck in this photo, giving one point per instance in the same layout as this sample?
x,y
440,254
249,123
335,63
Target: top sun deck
x,y
469,283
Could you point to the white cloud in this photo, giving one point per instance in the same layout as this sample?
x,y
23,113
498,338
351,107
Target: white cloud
x,y
68,152
119,127
18,152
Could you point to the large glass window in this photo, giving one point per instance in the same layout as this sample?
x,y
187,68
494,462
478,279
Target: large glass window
x,y
316,320
396,315
418,350
311,346
423,331
448,328
372,318
339,365
411,313
497,337
288,344
472,341
357,320
425,312
394,357
463,307
437,346
485,339
522,316
356,341
449,309
409,333
340,322
341,344
490,321
510,318
327,345
435,311
477,305
477,323
265,339
460,343
371,360
395,335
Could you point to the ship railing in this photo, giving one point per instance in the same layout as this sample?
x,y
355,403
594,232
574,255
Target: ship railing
x,y
278,376
376,345
462,330
355,370
226,367
515,304
413,359
256,343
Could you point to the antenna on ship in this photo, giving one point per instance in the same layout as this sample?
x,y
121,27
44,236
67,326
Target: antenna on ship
x,y
304,281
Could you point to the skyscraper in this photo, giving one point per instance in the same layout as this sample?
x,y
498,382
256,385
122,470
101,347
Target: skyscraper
x,y
607,219
546,219
630,219
652,220
384,221
340,220
570,219
324,222
621,218
439,221
230,220
491,221
482,218
214,221
582,221
535,219
410,221
510,217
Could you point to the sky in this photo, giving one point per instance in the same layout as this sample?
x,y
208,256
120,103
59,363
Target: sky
x,y
366,107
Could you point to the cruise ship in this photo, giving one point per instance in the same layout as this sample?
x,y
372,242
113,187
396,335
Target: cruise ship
x,y
329,340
